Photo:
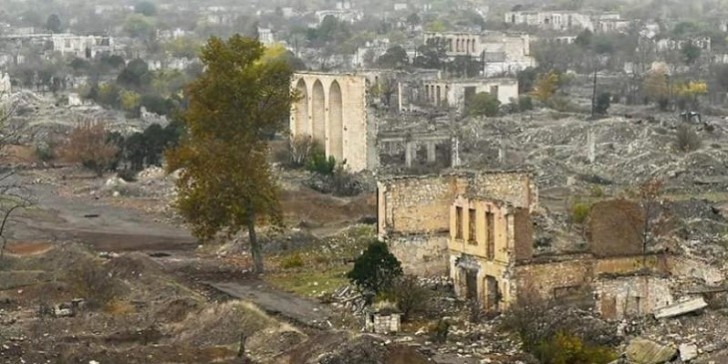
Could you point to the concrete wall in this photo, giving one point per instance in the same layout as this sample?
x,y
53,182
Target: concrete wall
x,y
333,111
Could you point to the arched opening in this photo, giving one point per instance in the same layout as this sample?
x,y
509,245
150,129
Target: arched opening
x,y
301,115
336,122
437,97
318,114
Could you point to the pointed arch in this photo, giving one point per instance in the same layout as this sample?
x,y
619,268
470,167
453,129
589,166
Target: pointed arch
x,y
318,113
336,122
301,120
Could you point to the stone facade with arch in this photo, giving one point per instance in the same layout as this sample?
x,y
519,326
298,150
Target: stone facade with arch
x,y
332,110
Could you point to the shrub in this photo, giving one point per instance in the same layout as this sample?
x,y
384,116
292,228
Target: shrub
x,y
89,280
483,104
596,192
570,349
525,103
318,163
602,103
292,261
687,140
439,331
299,150
579,212
410,296
44,152
344,183
376,269
89,146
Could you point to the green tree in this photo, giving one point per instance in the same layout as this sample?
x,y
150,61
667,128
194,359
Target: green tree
x,y
603,102
135,75
483,104
690,53
376,269
145,8
53,23
238,101
394,58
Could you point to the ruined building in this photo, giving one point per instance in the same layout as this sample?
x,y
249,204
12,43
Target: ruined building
x,y
332,109
477,227
456,92
501,53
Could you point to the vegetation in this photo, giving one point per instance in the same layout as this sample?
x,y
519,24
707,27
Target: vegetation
x,y
687,139
88,145
318,163
545,86
483,104
376,269
411,297
226,183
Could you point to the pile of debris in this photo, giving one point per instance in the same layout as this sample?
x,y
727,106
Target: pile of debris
x,y
348,298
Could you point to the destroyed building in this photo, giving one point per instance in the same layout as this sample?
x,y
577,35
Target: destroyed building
x,y
478,227
501,53
455,93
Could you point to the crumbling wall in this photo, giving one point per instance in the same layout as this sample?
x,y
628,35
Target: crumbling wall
x,y
514,187
692,268
615,228
631,296
523,231
423,255
417,205
546,279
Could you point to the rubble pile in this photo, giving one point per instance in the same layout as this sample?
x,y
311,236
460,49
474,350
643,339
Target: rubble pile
x,y
559,149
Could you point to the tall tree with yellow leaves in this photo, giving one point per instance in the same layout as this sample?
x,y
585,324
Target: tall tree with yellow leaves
x,y
240,100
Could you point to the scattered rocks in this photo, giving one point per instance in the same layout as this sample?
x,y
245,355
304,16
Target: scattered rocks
x,y
688,352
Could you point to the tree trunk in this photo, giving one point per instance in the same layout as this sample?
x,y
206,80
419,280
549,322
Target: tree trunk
x,y
255,251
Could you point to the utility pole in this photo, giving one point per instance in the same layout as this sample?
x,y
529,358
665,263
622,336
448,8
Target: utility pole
x,y
594,91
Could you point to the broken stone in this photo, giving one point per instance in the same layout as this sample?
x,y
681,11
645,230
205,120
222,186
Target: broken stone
x,y
681,308
643,351
688,352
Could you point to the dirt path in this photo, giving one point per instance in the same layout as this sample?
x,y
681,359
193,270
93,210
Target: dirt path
x,y
86,219
302,311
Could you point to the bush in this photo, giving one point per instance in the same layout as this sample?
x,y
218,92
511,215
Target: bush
x,y
89,146
687,140
579,212
44,152
602,103
318,163
439,331
344,183
570,349
525,103
376,269
299,150
89,280
410,296
596,192
483,104
292,261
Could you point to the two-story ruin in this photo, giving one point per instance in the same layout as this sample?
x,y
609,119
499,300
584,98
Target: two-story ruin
x,y
478,228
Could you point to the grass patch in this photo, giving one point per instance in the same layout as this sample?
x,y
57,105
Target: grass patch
x,y
309,283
